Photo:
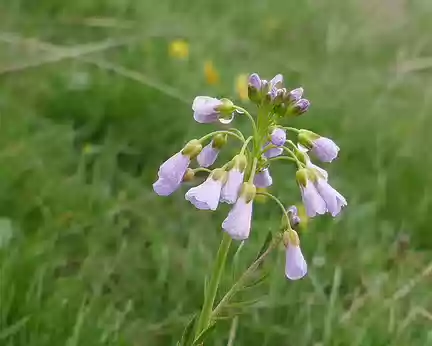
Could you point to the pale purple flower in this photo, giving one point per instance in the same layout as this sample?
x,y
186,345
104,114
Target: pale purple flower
x,y
295,264
312,200
301,106
255,81
295,94
232,186
272,152
205,109
276,82
333,199
208,155
165,187
325,149
263,179
174,168
322,172
206,196
238,222
278,137
293,216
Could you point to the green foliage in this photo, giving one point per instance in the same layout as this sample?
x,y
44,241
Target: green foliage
x,y
89,255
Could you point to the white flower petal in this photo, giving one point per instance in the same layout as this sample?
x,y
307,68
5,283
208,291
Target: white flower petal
x,y
263,179
164,187
238,222
295,264
174,168
278,137
276,82
232,186
313,202
321,171
208,155
205,196
333,199
325,149
204,109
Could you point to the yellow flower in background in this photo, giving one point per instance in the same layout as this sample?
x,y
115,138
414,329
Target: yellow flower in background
x,y
179,49
241,86
210,73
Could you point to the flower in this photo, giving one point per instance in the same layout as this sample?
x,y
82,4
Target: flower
x,y
179,49
271,151
238,222
263,179
234,182
255,81
325,149
241,85
312,200
322,147
278,137
301,106
295,264
165,187
208,155
206,196
206,109
333,199
172,171
295,94
276,82
210,73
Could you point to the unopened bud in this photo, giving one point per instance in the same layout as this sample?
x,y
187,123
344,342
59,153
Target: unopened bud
x,y
302,176
248,191
219,140
192,148
189,175
219,174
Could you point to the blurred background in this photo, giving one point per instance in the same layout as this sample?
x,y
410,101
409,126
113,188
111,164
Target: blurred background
x,y
94,95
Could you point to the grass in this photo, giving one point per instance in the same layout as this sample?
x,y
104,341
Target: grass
x,y
89,255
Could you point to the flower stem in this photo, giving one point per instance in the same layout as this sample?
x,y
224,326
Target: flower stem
x,y
294,156
210,294
245,144
211,134
239,284
293,129
274,198
245,112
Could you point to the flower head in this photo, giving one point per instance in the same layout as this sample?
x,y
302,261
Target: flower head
x,y
206,196
271,151
172,171
210,73
322,147
295,264
238,222
333,199
325,149
234,182
263,179
312,200
301,106
278,137
179,49
241,85
208,155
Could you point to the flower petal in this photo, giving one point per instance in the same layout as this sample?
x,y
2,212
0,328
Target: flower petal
x,y
295,264
205,196
313,202
238,222
208,155
174,168
232,186
164,187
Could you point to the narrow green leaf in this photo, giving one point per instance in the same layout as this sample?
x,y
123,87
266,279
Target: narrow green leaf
x,y
187,333
204,334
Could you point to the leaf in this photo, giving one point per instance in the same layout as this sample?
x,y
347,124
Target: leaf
x,y
204,334
187,333
265,245
6,232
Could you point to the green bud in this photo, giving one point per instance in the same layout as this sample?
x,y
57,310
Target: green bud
x,y
227,107
192,148
254,94
248,191
189,175
305,139
302,176
219,174
291,237
220,140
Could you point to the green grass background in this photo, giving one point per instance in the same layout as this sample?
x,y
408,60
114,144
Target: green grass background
x,y
89,255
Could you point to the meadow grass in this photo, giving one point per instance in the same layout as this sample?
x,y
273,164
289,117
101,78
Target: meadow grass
x,y
91,103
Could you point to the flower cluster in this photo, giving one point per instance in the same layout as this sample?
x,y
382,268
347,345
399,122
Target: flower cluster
x,y
236,182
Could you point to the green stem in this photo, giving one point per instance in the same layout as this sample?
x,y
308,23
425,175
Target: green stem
x,y
245,276
202,169
294,156
282,158
293,129
253,169
274,198
245,112
245,144
211,134
233,129
210,294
